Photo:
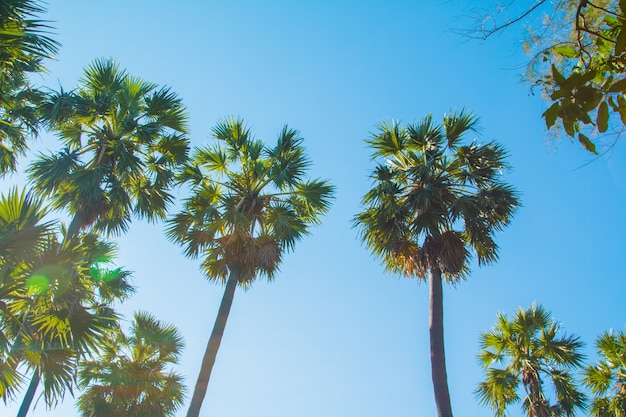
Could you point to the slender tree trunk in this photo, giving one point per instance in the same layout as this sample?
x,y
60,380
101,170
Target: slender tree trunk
x,y
214,343
437,351
30,394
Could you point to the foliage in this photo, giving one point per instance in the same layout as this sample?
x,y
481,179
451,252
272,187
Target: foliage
x,y
607,377
250,203
124,137
586,81
435,197
23,46
530,350
54,309
129,378
578,50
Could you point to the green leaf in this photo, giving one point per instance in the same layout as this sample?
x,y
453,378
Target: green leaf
x,y
551,114
558,78
566,51
587,144
620,42
568,125
618,86
603,117
621,103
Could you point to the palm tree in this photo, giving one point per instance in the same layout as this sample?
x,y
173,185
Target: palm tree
x,y
250,204
124,138
433,201
607,378
55,299
63,312
130,378
531,351
23,46
23,235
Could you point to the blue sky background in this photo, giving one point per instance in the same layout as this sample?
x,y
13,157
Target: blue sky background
x,y
334,335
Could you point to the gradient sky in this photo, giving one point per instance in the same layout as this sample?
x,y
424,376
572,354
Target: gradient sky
x,y
334,335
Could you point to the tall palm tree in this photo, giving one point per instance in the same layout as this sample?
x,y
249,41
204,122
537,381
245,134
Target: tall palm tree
x,y
530,351
607,377
24,45
434,200
130,378
250,204
124,138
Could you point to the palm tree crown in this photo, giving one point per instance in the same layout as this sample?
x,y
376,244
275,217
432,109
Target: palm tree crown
x,y
130,378
55,299
124,138
435,198
607,377
250,203
531,350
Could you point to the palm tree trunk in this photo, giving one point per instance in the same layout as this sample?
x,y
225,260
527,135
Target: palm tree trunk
x,y
214,343
30,394
74,228
437,351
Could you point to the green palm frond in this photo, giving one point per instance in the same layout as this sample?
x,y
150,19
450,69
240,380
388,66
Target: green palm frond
x,y
389,140
22,225
457,124
235,134
499,390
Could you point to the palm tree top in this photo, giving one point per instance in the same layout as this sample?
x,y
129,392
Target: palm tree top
x,y
528,350
124,138
250,202
435,195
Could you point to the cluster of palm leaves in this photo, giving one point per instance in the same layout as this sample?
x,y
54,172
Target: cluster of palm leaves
x,y
130,378
24,45
521,354
54,310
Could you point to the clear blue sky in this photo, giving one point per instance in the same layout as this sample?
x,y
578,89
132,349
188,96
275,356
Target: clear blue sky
x,y
334,335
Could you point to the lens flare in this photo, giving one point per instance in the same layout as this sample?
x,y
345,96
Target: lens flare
x,y
38,283
100,270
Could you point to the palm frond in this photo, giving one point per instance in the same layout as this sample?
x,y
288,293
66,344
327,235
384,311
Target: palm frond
x,y
457,123
390,139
